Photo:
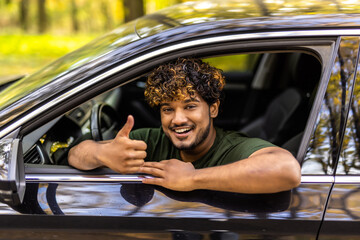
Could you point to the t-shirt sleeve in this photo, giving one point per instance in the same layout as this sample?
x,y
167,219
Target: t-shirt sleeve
x,y
245,149
139,134
252,145
143,134
158,146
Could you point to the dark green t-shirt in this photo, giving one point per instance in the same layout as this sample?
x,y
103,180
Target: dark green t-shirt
x,y
228,147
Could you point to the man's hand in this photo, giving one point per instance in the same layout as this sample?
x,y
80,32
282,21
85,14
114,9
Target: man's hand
x,y
172,174
123,154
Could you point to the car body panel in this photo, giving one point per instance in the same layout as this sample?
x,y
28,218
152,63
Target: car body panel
x,y
342,214
303,208
162,210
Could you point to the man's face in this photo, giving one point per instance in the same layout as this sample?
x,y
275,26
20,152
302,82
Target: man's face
x,y
188,122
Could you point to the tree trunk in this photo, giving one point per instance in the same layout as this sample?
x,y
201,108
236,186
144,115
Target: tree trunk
x,y
74,16
264,10
108,21
24,13
133,9
42,19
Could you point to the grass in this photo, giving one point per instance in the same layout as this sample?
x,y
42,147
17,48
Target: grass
x,y
24,54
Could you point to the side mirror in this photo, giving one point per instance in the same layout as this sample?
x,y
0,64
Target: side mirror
x,y
12,176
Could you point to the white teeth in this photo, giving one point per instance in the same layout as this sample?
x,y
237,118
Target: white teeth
x,y
182,130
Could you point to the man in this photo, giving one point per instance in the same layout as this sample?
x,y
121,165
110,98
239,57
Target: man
x,y
188,152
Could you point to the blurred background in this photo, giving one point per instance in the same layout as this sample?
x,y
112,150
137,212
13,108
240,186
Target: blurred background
x,y
36,32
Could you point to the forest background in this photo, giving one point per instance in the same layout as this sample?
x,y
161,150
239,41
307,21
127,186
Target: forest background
x,y
36,32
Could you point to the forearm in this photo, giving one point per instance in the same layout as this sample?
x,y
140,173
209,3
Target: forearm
x,y
277,172
84,155
268,170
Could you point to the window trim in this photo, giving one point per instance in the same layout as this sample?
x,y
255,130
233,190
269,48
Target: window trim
x,y
119,178
323,83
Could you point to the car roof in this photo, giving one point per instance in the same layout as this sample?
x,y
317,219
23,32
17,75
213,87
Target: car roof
x,y
259,14
187,20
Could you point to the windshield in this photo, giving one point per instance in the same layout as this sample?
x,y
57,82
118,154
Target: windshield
x,y
8,80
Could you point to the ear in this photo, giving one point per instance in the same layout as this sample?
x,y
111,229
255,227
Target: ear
x,y
214,109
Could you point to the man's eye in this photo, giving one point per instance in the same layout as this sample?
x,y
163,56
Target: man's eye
x,y
166,109
190,107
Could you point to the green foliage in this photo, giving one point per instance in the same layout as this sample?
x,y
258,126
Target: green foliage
x,y
69,25
242,62
22,54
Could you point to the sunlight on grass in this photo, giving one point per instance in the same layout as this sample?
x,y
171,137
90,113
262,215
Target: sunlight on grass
x,y
24,54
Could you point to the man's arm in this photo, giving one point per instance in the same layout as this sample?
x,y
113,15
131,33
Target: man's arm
x,y
267,170
121,154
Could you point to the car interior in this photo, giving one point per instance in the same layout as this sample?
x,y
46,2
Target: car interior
x,y
268,95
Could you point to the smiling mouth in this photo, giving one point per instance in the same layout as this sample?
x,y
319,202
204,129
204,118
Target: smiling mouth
x,y
182,130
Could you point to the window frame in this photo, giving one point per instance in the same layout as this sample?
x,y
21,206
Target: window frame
x,y
322,48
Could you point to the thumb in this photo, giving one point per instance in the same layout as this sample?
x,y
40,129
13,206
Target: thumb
x,y
126,129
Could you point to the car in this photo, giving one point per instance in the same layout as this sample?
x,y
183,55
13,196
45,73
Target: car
x,y
293,78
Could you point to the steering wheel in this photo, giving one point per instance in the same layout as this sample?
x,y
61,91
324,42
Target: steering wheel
x,y
104,122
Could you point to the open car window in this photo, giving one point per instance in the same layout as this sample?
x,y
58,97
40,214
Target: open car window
x,y
268,95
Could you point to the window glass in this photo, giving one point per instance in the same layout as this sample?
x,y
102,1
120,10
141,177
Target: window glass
x,y
349,160
241,63
325,142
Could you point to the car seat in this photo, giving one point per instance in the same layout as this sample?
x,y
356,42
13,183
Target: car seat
x,y
273,122
287,114
292,145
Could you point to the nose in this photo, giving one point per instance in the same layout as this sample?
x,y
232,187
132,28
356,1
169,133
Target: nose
x,y
179,117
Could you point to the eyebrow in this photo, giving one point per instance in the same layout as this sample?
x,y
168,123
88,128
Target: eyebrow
x,y
188,100
164,104
191,100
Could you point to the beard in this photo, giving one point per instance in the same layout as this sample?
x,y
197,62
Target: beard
x,y
200,138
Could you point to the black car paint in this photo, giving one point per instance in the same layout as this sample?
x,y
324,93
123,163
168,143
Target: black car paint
x,y
117,210
39,199
139,208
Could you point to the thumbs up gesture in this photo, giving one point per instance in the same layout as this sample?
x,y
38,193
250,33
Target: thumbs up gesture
x,y
123,154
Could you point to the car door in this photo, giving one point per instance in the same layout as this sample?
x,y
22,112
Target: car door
x,y
342,212
107,203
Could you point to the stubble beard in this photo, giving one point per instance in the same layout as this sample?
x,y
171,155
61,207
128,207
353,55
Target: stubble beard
x,y
200,138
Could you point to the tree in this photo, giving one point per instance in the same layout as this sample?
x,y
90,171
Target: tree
x,y
42,19
108,21
24,13
263,8
74,16
133,9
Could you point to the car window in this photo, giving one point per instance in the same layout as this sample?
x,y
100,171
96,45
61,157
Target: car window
x,y
6,81
349,159
236,63
325,143
253,109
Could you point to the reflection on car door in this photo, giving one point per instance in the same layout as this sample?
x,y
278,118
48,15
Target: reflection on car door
x,y
343,210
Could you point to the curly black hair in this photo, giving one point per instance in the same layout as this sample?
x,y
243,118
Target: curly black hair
x,y
184,77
